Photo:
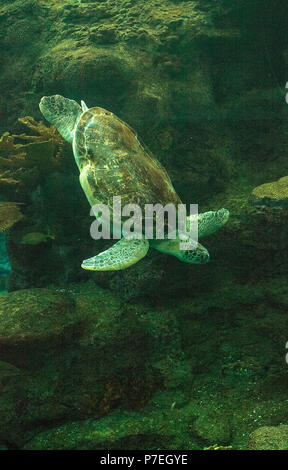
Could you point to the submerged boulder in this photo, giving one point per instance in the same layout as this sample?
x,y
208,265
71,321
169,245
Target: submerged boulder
x,y
269,438
119,430
32,320
273,194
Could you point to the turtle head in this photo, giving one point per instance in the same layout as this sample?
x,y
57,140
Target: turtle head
x,y
62,113
84,106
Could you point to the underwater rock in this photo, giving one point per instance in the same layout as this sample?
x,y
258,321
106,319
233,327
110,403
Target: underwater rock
x,y
269,438
213,428
79,359
121,430
273,194
8,370
104,34
10,214
124,374
32,320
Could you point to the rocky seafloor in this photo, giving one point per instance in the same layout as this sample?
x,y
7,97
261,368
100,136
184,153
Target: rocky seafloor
x,y
163,355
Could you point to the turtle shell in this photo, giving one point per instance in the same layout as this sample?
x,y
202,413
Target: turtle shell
x,y
113,162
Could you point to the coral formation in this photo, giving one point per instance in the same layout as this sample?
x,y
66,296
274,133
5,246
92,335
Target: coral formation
x,y
25,158
34,166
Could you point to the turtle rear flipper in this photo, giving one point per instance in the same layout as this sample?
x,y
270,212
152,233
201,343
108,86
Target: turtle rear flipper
x,y
120,256
184,248
62,113
198,255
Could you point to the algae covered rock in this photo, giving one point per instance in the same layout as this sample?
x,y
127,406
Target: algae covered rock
x,y
32,320
213,428
78,355
79,369
120,430
273,194
10,214
269,438
34,314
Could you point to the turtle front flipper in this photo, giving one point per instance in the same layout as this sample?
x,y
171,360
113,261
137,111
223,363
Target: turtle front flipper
x,y
120,256
209,222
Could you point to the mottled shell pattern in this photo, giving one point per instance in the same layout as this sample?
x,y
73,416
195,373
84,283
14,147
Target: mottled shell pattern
x,y
112,162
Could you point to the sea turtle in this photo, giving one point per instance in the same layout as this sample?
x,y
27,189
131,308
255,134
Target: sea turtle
x,y
113,162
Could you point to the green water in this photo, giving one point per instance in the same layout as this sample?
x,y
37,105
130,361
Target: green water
x,y
164,354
